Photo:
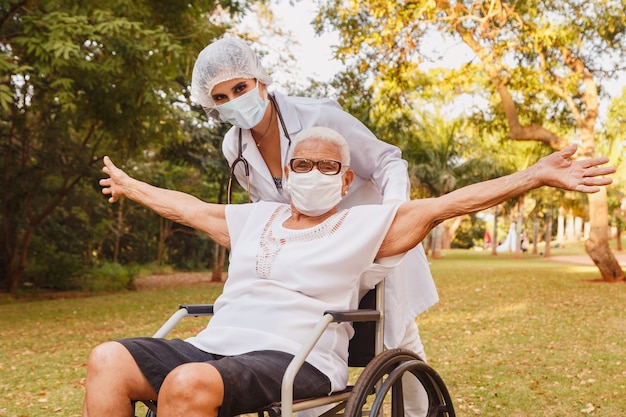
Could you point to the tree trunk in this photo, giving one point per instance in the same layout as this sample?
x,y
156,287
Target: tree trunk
x,y
518,227
219,257
427,243
17,264
570,230
560,227
449,230
548,234
597,246
119,227
494,236
165,231
618,236
436,243
535,234
579,228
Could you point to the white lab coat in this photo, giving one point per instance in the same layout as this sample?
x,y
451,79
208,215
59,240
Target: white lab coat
x,y
377,165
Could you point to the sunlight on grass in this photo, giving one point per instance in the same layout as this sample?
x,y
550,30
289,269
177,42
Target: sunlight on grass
x,y
527,337
511,337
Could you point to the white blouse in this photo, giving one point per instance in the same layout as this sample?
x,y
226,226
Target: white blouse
x,y
280,282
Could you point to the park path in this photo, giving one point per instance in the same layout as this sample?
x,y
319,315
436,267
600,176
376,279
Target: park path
x,y
173,279
585,259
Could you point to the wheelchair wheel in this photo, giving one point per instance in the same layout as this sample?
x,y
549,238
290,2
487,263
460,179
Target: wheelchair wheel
x,y
378,390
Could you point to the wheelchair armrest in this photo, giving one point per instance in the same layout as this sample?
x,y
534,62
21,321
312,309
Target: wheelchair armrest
x,y
354,315
298,359
198,309
184,310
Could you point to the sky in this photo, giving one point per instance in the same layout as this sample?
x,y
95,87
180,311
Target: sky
x,y
313,53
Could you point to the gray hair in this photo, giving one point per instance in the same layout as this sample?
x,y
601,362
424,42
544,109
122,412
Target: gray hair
x,y
324,134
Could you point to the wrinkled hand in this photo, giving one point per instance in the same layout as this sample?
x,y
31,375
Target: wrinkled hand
x,y
585,176
114,184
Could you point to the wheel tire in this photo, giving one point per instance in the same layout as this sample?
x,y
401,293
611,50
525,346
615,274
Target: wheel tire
x,y
386,370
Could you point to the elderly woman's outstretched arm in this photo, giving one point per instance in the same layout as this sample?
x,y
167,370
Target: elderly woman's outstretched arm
x,y
416,218
173,205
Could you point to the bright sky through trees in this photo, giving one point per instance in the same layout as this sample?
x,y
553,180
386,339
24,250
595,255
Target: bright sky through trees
x,y
291,32
313,54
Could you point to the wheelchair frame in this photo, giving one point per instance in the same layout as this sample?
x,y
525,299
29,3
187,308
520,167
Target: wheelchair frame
x,y
381,375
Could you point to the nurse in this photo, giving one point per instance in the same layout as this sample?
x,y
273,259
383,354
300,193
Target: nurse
x,y
231,85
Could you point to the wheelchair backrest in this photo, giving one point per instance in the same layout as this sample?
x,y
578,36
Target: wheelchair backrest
x,y
362,347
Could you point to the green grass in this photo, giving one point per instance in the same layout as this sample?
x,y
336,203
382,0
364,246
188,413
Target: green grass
x,y
511,337
44,344
527,337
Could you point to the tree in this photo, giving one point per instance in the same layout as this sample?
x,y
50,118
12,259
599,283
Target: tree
x,y
441,159
612,145
201,151
78,79
434,154
542,62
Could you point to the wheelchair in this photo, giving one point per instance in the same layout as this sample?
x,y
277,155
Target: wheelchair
x,y
378,390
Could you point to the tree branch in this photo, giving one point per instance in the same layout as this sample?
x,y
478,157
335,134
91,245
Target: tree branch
x,y
516,130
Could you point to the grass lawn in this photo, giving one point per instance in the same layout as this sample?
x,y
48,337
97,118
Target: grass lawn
x,y
511,337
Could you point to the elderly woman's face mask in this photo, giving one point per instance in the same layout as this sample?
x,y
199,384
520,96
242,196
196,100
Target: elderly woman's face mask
x,y
246,111
314,193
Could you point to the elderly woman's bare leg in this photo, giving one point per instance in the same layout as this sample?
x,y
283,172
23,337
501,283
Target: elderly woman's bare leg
x,y
113,381
192,389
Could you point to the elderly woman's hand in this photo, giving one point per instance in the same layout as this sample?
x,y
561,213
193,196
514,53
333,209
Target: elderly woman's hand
x,y
115,184
585,176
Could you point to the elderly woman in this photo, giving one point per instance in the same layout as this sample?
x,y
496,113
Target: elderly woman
x,y
289,264
232,86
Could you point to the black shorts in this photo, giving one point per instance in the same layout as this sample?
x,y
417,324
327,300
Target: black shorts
x,y
251,381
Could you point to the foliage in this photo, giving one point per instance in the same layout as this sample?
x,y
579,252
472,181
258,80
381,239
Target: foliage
x,y
612,143
435,151
78,80
535,69
110,277
445,154
470,233
612,137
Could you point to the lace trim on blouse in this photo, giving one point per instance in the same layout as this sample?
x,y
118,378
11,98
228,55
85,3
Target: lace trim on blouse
x,y
278,182
271,245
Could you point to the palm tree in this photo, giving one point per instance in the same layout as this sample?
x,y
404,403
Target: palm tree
x,y
434,155
442,158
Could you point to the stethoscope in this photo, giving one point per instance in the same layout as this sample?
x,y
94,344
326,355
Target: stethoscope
x,y
241,159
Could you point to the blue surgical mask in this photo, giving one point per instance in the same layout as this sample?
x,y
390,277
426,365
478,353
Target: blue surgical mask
x,y
246,111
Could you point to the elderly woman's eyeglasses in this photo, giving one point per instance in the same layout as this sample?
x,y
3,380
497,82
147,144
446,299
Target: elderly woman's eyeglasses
x,y
325,166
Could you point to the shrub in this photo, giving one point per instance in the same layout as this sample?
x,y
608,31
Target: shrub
x,y
110,277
